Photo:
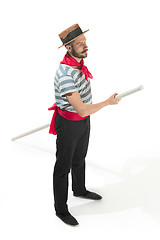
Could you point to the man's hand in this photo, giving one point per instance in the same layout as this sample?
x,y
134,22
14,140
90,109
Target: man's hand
x,y
112,100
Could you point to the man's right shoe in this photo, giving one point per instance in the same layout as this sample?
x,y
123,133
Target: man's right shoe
x,y
68,219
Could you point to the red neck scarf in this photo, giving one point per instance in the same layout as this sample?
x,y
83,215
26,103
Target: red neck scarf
x,y
68,60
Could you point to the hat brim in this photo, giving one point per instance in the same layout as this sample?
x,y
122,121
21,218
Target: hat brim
x,y
73,39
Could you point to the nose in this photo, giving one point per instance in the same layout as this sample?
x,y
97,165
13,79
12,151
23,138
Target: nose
x,y
86,45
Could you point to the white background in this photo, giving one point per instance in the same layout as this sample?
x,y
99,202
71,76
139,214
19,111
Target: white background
x,y
123,161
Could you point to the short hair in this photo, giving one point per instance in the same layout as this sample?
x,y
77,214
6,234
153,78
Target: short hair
x,y
70,44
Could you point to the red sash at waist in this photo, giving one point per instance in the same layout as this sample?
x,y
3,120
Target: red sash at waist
x,y
66,114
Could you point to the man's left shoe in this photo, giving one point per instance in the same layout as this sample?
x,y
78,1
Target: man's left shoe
x,y
89,195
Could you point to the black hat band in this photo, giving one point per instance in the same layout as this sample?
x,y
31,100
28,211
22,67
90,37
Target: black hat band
x,y
75,33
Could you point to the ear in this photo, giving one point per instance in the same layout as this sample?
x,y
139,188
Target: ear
x,y
69,48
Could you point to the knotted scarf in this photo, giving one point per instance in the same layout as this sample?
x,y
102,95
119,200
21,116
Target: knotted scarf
x,y
68,60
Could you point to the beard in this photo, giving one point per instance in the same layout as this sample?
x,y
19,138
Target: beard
x,y
78,55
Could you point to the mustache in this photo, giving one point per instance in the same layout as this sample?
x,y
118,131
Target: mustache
x,y
85,51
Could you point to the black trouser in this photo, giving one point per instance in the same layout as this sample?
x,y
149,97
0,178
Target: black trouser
x,y
72,144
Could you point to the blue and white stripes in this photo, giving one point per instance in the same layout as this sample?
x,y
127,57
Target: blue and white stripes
x,y
68,79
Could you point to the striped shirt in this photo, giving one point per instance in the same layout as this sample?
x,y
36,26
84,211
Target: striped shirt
x,y
69,79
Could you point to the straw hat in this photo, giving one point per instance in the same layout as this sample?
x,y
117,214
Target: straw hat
x,y
71,33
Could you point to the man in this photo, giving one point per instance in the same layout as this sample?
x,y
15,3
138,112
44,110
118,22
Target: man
x,y
71,121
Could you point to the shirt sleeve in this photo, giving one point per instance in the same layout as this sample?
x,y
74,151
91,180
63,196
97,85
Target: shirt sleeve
x,y
66,85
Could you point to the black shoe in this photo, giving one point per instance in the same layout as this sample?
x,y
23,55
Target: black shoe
x,y
68,219
89,195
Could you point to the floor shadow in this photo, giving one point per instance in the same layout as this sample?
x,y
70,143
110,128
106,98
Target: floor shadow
x,y
139,187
